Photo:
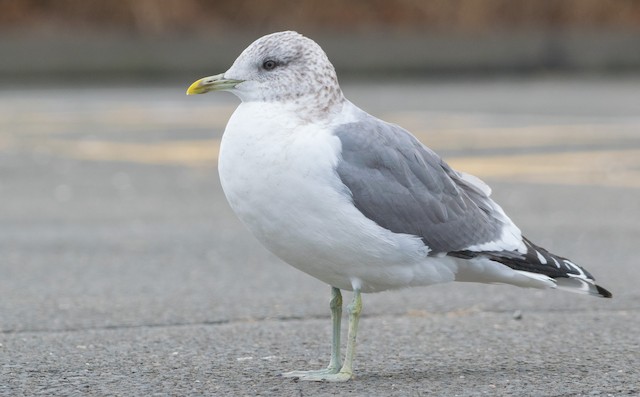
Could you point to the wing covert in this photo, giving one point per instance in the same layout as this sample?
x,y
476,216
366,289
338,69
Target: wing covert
x,y
407,188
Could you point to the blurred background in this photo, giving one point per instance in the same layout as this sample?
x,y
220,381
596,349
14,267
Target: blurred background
x,y
112,218
105,162
146,40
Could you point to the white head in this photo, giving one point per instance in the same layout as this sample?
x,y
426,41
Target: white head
x,y
282,67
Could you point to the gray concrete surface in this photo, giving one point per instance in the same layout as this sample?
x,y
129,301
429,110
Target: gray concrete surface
x,y
124,272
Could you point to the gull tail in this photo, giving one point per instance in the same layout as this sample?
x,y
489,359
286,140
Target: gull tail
x,y
544,269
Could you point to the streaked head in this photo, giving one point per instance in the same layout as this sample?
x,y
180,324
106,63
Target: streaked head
x,y
284,66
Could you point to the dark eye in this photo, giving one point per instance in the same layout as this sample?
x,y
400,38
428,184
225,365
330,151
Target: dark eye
x,y
269,64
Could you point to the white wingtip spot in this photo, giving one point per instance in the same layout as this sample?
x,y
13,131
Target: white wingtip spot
x,y
579,285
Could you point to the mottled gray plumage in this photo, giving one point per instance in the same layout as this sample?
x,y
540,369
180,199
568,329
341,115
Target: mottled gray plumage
x,y
302,75
405,187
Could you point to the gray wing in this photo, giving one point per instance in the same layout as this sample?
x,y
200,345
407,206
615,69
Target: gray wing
x,y
405,187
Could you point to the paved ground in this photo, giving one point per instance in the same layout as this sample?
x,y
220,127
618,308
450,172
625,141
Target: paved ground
x,y
123,271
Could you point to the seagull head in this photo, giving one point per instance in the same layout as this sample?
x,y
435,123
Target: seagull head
x,y
280,67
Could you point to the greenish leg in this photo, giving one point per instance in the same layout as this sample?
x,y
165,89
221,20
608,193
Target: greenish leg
x,y
336,320
346,372
355,308
334,363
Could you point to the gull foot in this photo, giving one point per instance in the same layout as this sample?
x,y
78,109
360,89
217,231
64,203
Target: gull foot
x,y
322,375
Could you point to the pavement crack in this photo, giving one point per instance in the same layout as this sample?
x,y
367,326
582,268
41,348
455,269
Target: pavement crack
x,y
219,322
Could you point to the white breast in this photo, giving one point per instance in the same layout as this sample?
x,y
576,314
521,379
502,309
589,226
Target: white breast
x,y
280,179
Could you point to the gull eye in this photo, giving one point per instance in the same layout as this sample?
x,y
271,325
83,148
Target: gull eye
x,y
269,64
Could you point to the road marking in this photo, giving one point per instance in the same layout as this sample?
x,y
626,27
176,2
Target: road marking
x,y
188,153
578,153
588,167
619,168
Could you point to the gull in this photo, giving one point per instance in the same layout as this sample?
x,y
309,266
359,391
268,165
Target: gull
x,y
357,202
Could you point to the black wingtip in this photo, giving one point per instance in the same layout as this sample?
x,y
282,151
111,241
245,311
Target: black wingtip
x,y
603,292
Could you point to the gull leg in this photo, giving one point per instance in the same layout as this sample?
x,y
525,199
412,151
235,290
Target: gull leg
x,y
336,320
334,363
355,308
346,372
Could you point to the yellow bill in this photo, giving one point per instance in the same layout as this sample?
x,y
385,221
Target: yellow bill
x,y
212,83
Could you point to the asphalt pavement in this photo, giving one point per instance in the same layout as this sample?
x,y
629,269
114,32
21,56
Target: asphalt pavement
x,y
124,272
